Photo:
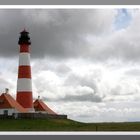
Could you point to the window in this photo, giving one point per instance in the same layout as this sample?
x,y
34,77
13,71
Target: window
x,y
5,112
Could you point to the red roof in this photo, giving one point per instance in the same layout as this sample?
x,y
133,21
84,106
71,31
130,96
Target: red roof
x,y
39,105
7,101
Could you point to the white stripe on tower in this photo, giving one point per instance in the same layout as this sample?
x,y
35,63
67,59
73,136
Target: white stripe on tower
x,y
24,59
24,82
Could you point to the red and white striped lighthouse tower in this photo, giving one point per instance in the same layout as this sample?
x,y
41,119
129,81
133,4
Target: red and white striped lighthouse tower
x,y
24,83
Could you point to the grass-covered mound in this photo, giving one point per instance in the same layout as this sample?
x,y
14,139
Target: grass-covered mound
x,y
63,125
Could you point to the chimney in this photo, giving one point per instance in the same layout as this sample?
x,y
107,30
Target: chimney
x,y
6,90
38,97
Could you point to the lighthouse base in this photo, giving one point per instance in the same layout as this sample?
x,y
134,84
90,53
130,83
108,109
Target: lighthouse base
x,y
25,99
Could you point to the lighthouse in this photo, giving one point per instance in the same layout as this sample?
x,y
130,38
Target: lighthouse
x,y
24,82
23,106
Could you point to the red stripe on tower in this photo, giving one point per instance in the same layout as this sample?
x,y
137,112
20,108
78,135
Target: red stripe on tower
x,y
24,83
24,72
24,48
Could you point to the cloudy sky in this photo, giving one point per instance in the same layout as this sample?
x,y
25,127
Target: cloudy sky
x,y
85,62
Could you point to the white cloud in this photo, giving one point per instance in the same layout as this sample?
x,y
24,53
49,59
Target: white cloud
x,y
101,112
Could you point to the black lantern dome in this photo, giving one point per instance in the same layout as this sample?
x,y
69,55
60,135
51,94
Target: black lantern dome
x,y
24,38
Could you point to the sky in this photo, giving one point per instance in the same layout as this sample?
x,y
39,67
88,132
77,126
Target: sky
x,y
85,62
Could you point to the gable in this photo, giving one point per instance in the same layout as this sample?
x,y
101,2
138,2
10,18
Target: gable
x,y
4,102
39,105
7,101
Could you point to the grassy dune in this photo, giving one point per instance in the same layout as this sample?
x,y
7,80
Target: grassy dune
x,y
64,125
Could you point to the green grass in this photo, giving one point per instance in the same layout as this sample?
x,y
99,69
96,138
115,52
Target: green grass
x,y
64,125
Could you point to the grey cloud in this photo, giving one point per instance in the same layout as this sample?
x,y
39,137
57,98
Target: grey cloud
x,y
89,80
62,69
63,34
79,98
132,72
119,45
87,97
59,68
54,33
